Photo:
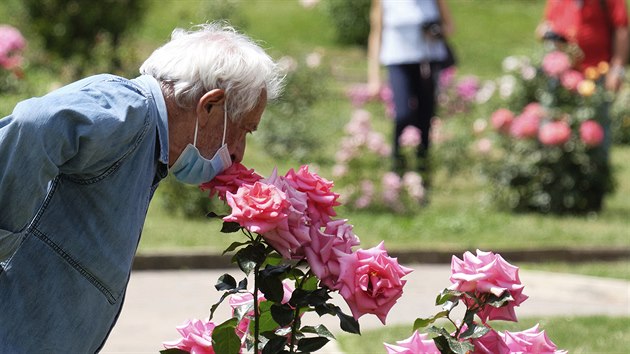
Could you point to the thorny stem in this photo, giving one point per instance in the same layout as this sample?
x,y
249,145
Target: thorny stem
x,y
256,311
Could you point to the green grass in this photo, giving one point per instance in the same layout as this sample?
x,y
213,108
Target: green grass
x,y
596,334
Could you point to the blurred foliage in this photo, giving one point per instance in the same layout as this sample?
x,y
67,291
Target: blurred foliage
x,y
620,115
186,200
351,20
289,129
84,33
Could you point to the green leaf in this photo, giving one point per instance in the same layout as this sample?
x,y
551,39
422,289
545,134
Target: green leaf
x,y
347,323
459,347
474,331
212,214
234,246
283,314
320,330
423,322
311,344
266,322
173,351
225,282
224,338
442,344
249,257
446,295
271,286
499,301
230,227
450,305
274,345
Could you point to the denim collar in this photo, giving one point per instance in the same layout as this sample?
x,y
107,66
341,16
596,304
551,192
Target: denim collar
x,y
152,86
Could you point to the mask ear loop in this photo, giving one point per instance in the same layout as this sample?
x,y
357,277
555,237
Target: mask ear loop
x,y
224,124
196,129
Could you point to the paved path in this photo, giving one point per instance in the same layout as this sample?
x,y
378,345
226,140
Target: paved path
x,y
157,301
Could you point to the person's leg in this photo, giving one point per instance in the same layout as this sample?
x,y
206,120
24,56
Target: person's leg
x,y
425,113
404,81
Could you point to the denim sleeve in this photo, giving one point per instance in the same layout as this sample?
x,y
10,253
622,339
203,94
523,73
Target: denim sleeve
x,y
76,131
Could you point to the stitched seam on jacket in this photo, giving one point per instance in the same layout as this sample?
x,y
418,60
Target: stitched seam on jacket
x,y
76,265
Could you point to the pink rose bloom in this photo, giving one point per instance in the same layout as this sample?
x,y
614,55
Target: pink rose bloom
x,y
358,95
502,119
555,133
412,181
196,337
321,199
490,343
467,88
571,79
259,207
418,343
230,180
11,45
447,77
291,234
323,251
555,63
535,108
591,133
484,146
410,136
488,273
531,341
359,123
370,281
525,125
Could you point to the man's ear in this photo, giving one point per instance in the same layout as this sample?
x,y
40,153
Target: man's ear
x,y
209,99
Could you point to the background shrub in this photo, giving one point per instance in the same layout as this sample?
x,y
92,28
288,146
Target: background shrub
x,y
351,20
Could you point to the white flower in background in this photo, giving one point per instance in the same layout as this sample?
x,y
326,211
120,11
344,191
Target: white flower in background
x,y
507,83
479,125
510,64
313,60
287,64
528,72
485,92
309,4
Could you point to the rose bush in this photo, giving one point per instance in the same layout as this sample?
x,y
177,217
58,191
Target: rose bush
x,y
548,150
490,288
12,45
297,254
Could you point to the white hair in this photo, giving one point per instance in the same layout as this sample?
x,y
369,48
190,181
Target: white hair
x,y
215,56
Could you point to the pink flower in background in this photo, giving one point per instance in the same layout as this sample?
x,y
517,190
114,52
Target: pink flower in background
x,y
359,95
502,119
367,194
196,337
321,198
230,180
488,273
412,181
387,96
555,133
291,234
490,343
410,136
324,248
484,146
531,341
525,125
571,79
467,88
535,108
591,133
556,63
418,343
376,143
11,45
259,207
371,281
392,183
447,77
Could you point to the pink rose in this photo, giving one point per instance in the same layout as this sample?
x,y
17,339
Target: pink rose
x,y
555,63
196,337
370,281
230,180
591,133
531,341
259,207
490,343
11,45
410,136
291,234
487,273
467,88
502,119
555,133
571,79
525,125
321,199
418,343
534,108
323,251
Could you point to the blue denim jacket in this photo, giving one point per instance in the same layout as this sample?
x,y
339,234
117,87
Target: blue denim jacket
x,y
78,169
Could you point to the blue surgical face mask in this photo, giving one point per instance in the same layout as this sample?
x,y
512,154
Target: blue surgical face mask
x,y
192,168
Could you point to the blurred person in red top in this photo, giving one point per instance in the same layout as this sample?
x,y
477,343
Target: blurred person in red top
x,y
598,27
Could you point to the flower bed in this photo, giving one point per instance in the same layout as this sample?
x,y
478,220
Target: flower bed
x,y
548,150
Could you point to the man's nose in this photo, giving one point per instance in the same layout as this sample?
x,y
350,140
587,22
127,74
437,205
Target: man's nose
x,y
239,151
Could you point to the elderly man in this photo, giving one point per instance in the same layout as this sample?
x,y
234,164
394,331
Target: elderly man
x,y
80,165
